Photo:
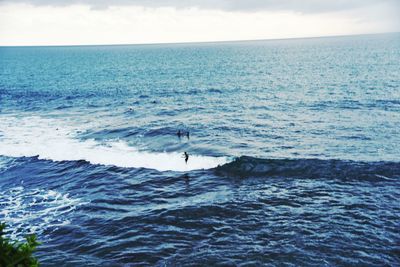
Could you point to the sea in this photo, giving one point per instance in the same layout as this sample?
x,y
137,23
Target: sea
x,y
294,152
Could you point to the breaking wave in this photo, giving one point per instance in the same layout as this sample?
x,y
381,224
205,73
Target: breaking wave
x,y
48,139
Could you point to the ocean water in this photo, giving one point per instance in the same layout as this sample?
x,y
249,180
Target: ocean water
x,y
294,152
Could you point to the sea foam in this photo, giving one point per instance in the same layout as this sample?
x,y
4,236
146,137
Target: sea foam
x,y
29,211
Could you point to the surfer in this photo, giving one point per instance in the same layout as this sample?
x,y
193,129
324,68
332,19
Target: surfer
x,y
186,156
179,133
187,134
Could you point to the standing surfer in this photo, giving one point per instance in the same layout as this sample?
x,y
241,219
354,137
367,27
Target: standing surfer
x,y
186,156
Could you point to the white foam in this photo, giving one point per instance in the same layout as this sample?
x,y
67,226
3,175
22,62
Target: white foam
x,y
27,211
37,136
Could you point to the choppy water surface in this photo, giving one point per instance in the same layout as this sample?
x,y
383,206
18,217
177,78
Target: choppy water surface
x,y
294,152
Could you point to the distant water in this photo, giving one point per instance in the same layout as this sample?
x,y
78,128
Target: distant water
x,y
294,152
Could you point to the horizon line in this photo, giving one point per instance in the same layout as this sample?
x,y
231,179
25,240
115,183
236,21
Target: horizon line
x,y
204,42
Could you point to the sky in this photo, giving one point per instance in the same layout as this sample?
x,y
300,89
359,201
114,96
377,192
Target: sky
x,y
87,22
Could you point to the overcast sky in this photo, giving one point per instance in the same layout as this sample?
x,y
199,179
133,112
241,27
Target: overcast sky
x,y
69,22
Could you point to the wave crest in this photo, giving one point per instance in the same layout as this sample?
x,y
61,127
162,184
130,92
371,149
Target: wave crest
x,y
310,168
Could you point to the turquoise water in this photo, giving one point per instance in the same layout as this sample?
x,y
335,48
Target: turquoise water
x,y
294,152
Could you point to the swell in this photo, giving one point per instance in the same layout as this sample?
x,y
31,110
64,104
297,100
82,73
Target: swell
x,y
310,168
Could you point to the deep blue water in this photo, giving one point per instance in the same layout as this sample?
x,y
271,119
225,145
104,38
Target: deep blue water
x,y
294,152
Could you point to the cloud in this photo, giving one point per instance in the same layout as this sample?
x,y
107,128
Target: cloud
x,y
303,6
62,22
25,24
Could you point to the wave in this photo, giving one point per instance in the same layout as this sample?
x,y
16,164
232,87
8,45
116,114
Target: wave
x,y
310,168
50,139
